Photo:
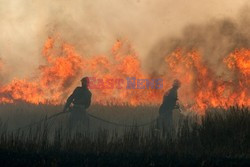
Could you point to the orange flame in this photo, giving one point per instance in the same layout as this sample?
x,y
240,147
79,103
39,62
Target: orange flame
x,y
53,82
201,87
204,87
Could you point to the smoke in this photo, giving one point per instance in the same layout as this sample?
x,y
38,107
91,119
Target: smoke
x,y
1,70
214,39
93,26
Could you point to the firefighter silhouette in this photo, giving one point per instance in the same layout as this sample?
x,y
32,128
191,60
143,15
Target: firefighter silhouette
x,y
165,119
77,103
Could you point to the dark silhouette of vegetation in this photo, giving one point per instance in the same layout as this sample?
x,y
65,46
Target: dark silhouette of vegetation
x,y
219,138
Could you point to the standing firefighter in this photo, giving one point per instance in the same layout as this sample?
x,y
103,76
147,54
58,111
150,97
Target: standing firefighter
x,y
165,119
81,99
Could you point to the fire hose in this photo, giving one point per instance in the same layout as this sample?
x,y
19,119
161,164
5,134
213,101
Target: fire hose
x,y
122,125
90,115
38,122
126,125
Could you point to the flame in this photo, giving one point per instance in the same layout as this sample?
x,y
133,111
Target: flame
x,y
121,64
201,86
53,81
239,61
204,87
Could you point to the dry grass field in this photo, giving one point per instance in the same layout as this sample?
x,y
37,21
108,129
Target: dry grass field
x,y
219,138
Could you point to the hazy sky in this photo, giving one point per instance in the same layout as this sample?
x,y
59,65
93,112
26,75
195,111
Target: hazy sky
x,y
92,26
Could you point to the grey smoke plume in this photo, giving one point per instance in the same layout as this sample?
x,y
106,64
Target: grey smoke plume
x,y
214,39
92,26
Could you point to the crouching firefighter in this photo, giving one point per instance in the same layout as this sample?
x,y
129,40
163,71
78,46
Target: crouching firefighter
x,y
77,103
165,119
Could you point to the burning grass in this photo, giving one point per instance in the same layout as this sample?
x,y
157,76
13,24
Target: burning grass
x,y
202,86
219,138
